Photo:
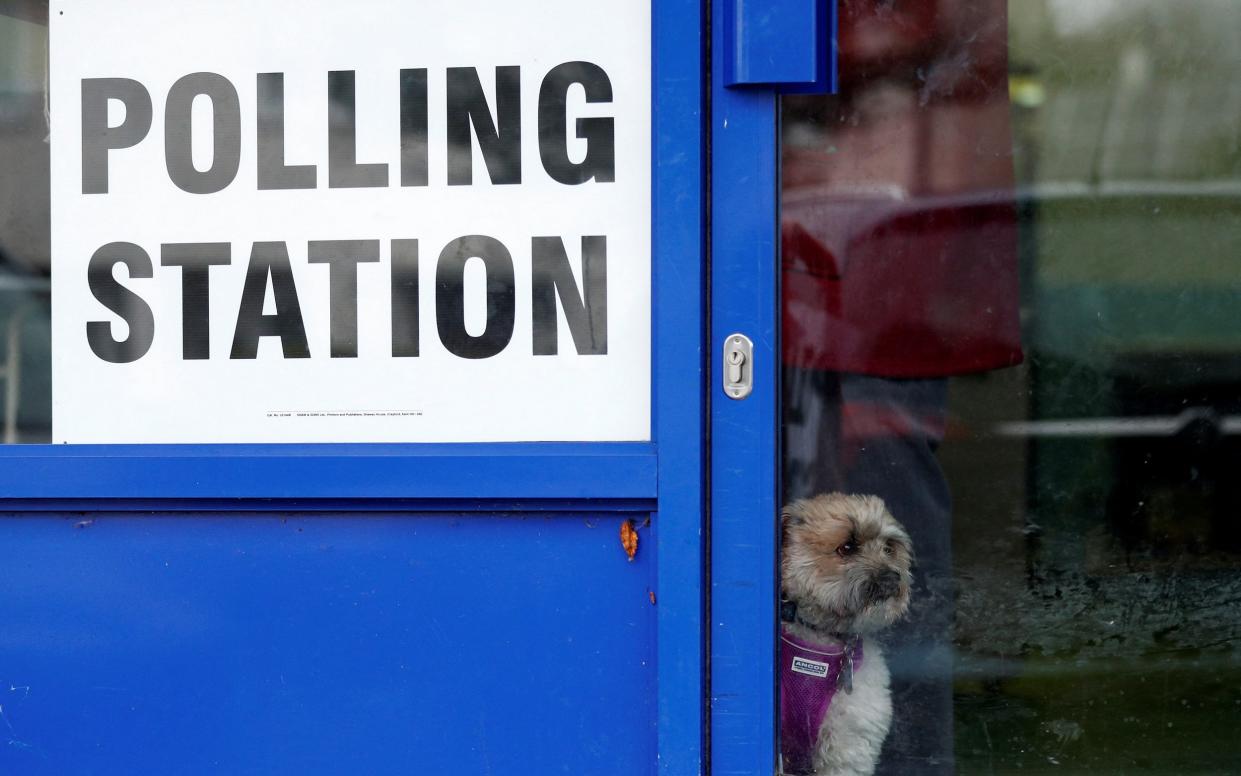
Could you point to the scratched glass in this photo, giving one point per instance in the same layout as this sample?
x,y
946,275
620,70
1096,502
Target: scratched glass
x,y
1012,308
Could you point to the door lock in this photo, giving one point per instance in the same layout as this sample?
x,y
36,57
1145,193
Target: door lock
x,y
738,366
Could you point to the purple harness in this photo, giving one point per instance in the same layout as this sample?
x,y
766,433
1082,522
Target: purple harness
x,y
809,678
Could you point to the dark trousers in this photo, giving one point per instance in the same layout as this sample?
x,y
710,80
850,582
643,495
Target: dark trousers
x,y
873,435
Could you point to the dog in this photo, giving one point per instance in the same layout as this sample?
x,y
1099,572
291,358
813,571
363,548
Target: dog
x,y
845,573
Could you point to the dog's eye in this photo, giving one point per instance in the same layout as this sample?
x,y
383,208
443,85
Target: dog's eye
x,y
888,548
846,549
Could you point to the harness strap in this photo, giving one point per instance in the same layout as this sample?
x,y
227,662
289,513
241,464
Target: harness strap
x,y
810,675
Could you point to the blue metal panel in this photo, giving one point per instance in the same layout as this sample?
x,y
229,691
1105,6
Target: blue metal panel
x,y
744,466
679,250
790,44
549,470
331,505
381,643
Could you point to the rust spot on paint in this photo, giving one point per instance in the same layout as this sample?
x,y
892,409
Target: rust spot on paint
x,y
629,539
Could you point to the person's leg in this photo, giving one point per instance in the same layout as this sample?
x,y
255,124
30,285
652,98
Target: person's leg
x,y
811,438
890,431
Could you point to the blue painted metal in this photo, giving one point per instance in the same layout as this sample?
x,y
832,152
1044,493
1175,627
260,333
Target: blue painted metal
x,y
678,209
744,441
330,505
789,44
328,644
510,471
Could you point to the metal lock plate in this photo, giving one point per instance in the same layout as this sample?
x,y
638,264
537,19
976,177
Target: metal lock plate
x,y
738,366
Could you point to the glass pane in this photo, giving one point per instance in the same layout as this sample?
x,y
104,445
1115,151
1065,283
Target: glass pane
x,y
1012,310
25,305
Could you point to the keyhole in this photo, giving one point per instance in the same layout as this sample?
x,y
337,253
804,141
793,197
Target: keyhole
x,y
735,359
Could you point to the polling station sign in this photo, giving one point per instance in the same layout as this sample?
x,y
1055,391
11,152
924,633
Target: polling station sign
x,y
373,221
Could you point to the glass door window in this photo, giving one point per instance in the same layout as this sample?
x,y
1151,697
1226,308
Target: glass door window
x,y
1012,310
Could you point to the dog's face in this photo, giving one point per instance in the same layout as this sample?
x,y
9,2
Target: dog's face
x,y
846,562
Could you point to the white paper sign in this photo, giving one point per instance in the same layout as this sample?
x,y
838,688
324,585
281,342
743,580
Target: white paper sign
x,y
365,221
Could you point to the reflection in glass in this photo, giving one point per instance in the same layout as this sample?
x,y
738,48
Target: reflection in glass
x,y
1012,308
25,307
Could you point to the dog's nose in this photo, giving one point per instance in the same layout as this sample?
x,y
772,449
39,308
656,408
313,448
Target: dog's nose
x,y
885,584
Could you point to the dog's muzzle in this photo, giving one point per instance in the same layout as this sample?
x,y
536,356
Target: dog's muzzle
x,y
884,585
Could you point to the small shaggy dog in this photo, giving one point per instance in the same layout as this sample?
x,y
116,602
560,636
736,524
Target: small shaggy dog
x,y
845,569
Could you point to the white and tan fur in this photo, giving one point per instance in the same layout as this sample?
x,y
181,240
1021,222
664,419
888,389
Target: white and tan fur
x,y
846,563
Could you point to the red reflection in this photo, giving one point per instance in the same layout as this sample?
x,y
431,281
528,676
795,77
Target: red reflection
x,y
900,228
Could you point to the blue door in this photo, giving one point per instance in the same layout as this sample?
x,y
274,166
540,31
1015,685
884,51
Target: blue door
x,y
380,608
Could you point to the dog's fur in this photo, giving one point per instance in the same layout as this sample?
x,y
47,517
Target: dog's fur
x,y
846,564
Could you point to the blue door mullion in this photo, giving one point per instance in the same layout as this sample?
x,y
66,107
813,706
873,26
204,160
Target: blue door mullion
x,y
744,441
679,251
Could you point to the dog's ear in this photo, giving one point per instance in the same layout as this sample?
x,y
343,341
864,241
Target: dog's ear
x,y
789,517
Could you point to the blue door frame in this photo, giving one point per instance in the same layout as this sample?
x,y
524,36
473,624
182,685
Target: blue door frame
x,y
768,48
381,608
744,446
